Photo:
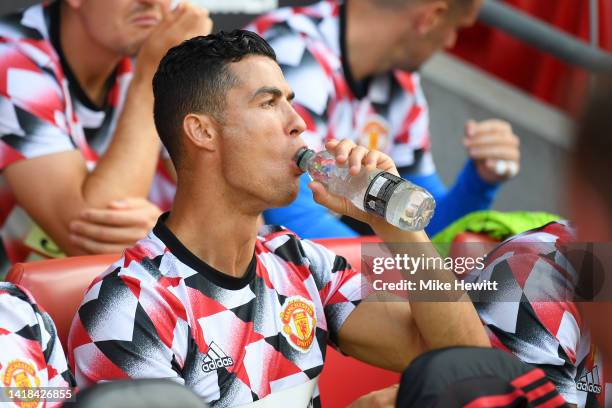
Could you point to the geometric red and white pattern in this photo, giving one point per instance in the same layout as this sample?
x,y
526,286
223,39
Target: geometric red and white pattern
x,y
31,354
160,312
44,111
389,112
533,316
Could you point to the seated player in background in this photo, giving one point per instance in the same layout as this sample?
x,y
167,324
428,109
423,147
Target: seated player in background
x,y
542,313
205,300
352,64
31,355
79,149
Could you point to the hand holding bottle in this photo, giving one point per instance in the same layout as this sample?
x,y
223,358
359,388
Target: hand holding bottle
x,y
364,184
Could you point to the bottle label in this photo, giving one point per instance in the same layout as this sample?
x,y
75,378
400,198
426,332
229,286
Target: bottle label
x,y
379,193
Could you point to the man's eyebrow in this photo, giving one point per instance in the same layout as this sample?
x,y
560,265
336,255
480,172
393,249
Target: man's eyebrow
x,y
277,93
271,90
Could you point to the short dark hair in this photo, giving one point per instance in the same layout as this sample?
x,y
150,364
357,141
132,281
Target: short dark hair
x,y
193,77
593,145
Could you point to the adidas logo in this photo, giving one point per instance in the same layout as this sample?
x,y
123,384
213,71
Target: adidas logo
x,y
589,382
215,359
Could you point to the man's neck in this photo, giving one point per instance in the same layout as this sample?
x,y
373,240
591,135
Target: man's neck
x,y
90,62
363,53
214,229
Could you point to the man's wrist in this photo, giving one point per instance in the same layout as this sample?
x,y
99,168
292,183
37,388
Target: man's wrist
x,y
475,182
143,74
140,88
391,234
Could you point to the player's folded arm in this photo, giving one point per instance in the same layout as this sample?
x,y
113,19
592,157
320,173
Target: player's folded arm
x,y
48,188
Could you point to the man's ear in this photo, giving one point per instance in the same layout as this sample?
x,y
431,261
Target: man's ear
x,y
201,130
428,15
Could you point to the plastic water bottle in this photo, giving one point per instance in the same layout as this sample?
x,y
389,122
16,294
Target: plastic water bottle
x,y
401,203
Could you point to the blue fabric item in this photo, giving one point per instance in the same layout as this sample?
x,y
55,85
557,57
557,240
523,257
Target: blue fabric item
x,y
307,218
469,193
311,220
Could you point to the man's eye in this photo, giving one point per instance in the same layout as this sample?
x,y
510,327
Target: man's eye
x,y
268,104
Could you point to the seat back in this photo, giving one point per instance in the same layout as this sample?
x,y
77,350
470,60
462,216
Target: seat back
x,y
349,248
58,285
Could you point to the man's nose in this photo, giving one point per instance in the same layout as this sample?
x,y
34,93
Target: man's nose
x,y
298,125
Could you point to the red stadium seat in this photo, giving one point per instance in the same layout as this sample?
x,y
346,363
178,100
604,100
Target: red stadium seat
x,y
468,236
350,248
59,284
472,245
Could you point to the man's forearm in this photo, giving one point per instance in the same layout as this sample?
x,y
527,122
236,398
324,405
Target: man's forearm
x,y
127,167
444,319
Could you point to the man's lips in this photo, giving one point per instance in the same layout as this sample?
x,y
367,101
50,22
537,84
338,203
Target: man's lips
x,y
296,170
294,166
146,20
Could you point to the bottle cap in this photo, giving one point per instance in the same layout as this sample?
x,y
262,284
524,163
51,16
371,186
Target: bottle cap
x,y
302,156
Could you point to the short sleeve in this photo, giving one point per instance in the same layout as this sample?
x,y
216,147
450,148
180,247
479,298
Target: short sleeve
x,y
341,287
531,316
30,349
32,109
128,326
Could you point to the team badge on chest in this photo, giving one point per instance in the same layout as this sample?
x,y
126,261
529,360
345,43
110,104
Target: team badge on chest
x,y
299,323
374,133
22,376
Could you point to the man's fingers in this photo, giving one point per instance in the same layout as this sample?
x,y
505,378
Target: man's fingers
x,y
354,156
130,202
194,19
372,160
357,154
173,15
331,144
343,150
498,170
94,247
323,197
494,152
117,218
494,147
488,126
486,139
469,127
184,22
383,162
107,234
337,204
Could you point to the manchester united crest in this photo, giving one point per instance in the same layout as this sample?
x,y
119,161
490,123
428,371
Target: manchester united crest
x,y
22,374
374,133
299,322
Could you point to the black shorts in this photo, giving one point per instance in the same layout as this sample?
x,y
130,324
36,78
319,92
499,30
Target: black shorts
x,y
475,377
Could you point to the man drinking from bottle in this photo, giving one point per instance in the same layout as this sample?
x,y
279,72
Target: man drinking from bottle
x,y
235,314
